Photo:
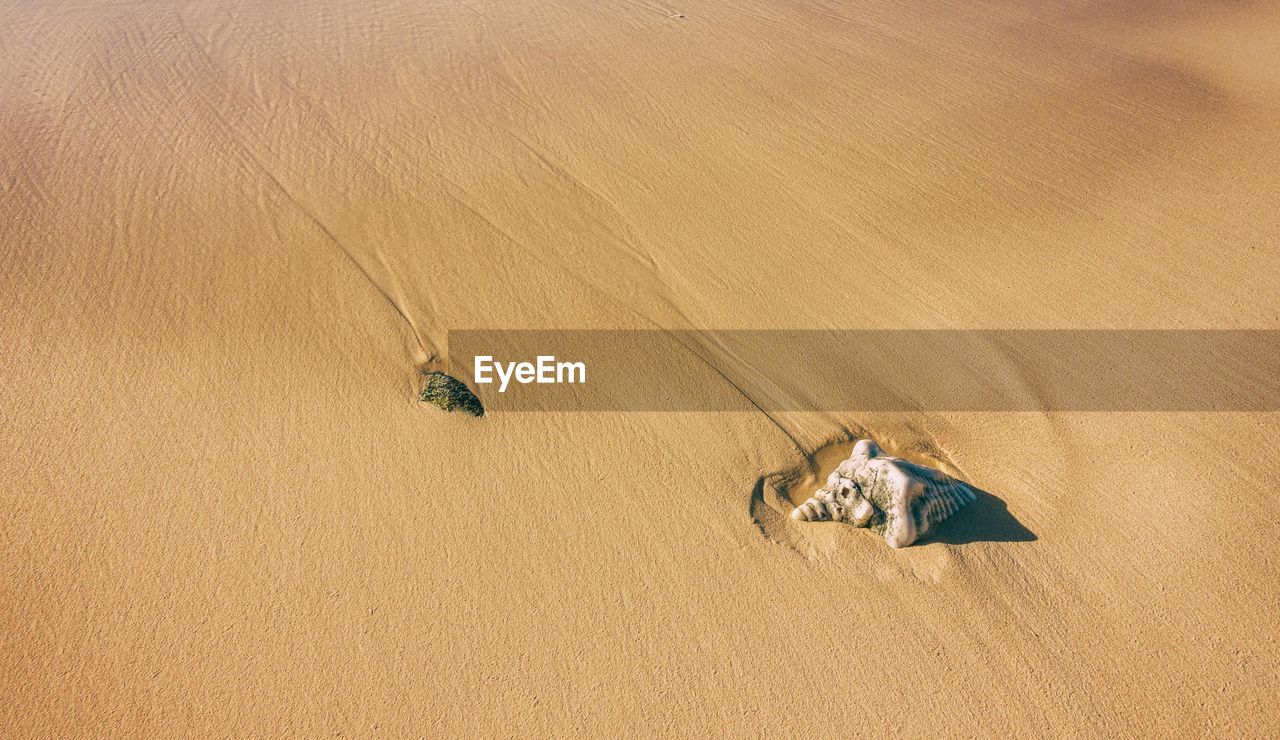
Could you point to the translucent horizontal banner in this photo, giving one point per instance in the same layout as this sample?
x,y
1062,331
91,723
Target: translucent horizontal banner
x,y
870,370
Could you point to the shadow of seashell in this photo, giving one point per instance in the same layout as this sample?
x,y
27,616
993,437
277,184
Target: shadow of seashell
x,y
987,519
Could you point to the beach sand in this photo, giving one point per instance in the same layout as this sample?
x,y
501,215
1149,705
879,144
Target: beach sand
x,y
233,235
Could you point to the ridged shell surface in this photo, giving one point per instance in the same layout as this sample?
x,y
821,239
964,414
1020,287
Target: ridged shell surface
x,y
896,498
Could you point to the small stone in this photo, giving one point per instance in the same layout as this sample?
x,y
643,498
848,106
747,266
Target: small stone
x,y
449,393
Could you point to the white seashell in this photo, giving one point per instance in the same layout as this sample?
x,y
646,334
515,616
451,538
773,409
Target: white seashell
x,y
895,498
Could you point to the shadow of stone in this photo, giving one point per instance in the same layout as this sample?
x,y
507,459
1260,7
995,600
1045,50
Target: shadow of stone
x,y
987,519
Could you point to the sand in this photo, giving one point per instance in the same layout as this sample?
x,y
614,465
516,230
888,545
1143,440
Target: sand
x,y
232,235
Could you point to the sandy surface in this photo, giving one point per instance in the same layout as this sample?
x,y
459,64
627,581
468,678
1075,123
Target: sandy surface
x,y
230,236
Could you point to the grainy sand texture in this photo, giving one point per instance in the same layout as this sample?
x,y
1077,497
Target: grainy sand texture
x,y
233,234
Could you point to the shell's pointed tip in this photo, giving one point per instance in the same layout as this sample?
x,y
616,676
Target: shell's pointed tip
x,y
798,514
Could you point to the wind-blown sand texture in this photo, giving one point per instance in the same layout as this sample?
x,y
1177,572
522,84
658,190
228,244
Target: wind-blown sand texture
x,y
234,234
